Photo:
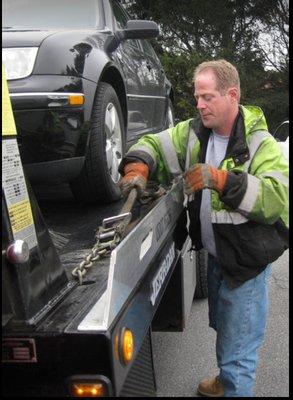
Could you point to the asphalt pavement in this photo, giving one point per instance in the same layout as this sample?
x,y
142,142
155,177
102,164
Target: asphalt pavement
x,y
182,359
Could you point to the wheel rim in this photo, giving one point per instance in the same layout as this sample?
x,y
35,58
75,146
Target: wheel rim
x,y
113,141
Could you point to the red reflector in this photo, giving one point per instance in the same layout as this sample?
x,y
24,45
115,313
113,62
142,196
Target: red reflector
x,y
19,350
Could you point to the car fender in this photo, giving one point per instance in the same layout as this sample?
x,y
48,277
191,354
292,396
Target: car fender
x,y
80,54
66,53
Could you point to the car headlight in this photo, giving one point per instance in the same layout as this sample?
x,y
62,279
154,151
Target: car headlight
x,y
19,62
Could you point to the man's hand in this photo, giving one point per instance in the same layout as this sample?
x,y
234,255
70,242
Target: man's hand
x,y
201,176
136,175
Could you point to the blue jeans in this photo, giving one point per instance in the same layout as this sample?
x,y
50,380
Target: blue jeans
x,y
239,317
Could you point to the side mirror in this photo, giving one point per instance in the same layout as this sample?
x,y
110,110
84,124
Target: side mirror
x,y
140,29
135,29
282,132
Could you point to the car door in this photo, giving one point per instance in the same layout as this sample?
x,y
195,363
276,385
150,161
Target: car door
x,y
134,65
155,84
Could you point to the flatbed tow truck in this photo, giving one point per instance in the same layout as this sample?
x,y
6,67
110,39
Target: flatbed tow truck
x,y
84,329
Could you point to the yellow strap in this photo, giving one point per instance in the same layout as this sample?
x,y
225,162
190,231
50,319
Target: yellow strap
x,y
8,124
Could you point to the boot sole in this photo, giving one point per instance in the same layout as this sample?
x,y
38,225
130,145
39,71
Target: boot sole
x,y
209,395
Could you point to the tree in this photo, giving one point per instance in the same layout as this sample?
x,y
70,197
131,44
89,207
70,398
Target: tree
x,y
274,36
194,30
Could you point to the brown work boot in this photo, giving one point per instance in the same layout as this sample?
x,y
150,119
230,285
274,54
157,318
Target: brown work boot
x,y
211,387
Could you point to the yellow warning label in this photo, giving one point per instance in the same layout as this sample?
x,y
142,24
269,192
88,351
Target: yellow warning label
x,y
20,216
8,124
13,180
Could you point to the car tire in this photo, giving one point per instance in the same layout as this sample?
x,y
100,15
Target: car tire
x,y
170,115
98,179
201,289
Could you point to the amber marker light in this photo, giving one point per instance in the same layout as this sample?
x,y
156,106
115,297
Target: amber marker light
x,y
89,389
76,100
126,345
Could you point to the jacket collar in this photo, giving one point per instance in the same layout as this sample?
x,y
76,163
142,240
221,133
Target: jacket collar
x,y
237,145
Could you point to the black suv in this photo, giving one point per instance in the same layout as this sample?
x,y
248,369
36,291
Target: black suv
x,y
84,84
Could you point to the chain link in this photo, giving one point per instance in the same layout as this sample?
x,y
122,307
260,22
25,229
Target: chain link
x,y
99,250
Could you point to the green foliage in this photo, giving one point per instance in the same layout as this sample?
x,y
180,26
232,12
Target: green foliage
x,y
179,69
193,31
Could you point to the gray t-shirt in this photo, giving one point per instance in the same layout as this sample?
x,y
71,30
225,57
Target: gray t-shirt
x,y
216,152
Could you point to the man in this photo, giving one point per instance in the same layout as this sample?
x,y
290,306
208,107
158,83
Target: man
x,y
237,181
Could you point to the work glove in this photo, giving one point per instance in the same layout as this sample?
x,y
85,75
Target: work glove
x,y
135,176
202,176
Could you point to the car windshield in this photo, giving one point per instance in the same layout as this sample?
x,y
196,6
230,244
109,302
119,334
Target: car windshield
x,y
51,14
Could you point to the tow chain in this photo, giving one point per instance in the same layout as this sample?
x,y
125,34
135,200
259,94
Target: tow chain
x,y
110,234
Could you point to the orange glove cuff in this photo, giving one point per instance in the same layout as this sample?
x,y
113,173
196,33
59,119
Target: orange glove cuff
x,y
219,178
135,169
201,176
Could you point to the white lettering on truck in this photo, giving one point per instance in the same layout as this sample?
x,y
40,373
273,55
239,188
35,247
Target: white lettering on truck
x,y
164,268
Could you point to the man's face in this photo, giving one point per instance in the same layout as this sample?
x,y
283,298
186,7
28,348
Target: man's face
x,y
215,108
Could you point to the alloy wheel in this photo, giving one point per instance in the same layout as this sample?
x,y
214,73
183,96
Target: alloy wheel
x,y
113,141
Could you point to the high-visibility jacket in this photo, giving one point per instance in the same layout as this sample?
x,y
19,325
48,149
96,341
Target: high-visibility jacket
x,y
250,218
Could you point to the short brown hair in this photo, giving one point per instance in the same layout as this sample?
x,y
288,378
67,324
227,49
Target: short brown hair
x,y
226,74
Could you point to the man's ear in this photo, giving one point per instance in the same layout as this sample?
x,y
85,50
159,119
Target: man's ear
x,y
233,93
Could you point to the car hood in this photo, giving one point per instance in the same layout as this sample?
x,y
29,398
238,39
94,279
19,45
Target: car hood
x,y
24,38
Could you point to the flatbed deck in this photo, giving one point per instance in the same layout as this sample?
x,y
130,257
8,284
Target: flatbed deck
x,y
72,227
